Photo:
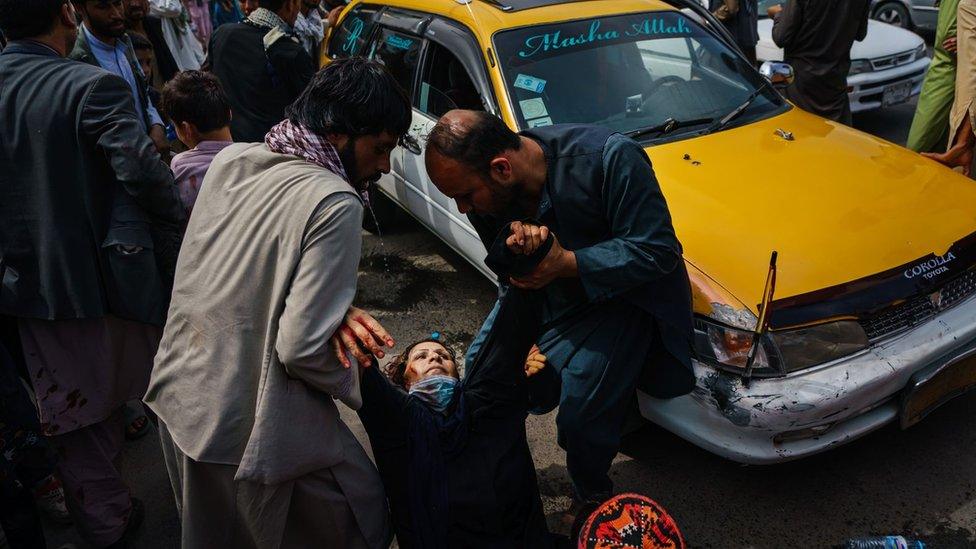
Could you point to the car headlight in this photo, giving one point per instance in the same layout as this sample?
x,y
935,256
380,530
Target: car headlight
x,y
920,52
806,347
724,332
860,65
728,348
780,352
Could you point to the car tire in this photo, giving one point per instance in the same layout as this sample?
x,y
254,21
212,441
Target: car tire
x,y
893,13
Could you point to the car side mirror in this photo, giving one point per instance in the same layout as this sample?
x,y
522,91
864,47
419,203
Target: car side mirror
x,y
779,74
411,143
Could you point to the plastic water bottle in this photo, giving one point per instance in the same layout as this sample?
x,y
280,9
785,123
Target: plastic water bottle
x,y
884,542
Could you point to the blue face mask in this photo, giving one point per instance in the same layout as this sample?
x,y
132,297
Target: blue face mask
x,y
435,391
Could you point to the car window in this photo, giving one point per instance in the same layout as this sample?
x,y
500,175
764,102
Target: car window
x,y
627,72
353,32
445,84
399,53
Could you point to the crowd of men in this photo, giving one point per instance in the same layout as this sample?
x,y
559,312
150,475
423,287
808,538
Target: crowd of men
x,y
96,93
216,285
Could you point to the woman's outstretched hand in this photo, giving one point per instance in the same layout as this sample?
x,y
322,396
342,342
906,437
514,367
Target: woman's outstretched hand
x,y
526,239
361,336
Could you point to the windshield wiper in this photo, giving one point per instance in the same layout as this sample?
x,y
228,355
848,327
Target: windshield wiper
x,y
669,125
724,121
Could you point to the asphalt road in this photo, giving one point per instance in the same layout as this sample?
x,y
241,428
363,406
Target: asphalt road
x,y
916,482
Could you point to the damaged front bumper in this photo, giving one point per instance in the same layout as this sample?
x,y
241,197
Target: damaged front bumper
x,y
779,419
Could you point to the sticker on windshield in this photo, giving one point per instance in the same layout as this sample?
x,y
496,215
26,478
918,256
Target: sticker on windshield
x,y
530,83
398,42
539,122
533,108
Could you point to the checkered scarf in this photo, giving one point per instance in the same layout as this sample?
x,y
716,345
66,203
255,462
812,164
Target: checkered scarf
x,y
266,18
297,140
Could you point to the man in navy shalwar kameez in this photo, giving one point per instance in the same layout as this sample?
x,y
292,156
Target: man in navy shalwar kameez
x,y
617,313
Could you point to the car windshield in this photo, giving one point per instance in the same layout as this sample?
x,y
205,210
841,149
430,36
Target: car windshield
x,y
630,73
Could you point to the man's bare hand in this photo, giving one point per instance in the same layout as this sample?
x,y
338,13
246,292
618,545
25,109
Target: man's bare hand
x,y
526,239
558,263
158,135
360,335
774,10
333,16
950,45
959,156
535,362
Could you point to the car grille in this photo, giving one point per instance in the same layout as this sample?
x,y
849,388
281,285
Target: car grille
x,y
920,308
897,60
903,78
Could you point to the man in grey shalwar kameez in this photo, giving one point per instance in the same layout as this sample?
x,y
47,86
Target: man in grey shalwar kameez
x,y
245,380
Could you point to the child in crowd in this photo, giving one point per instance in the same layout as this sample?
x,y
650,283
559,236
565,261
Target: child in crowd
x,y
196,104
146,55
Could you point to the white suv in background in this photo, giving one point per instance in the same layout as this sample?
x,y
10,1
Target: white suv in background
x,y
887,68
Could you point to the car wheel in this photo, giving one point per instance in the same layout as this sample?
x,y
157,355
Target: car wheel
x,y
893,13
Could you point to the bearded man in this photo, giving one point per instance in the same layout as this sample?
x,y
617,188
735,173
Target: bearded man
x,y
617,308
102,42
245,380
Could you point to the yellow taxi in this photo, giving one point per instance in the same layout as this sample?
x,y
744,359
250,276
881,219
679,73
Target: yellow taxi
x,y
870,318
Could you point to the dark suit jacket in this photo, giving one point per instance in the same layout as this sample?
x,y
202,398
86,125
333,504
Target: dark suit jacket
x,y
69,139
259,82
141,282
